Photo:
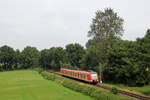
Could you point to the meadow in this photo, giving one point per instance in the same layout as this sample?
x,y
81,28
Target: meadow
x,y
29,85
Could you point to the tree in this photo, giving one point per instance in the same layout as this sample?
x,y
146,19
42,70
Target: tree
x,y
30,57
74,53
53,58
128,62
7,55
144,57
90,60
17,59
90,43
105,30
106,24
44,59
58,56
122,63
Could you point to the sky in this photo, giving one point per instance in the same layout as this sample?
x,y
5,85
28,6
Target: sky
x,y
47,23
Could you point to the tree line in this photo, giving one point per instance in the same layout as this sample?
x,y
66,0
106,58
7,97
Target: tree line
x,y
31,57
115,59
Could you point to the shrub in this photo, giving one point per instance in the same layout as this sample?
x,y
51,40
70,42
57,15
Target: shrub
x,y
94,92
38,69
114,90
48,76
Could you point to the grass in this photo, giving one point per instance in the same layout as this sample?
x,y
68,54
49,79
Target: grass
x,y
29,85
98,94
143,90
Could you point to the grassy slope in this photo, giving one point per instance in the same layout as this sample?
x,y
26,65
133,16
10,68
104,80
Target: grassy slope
x,y
29,85
144,90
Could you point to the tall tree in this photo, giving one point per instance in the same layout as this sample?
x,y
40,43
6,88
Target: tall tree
x,y
105,30
106,24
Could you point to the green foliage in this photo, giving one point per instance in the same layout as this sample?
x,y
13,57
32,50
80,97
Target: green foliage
x,y
66,66
114,90
105,30
94,92
105,24
53,64
30,57
90,59
7,58
128,62
39,69
74,53
90,43
44,59
53,58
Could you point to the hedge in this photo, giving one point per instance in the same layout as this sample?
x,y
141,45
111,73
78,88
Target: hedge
x,y
91,91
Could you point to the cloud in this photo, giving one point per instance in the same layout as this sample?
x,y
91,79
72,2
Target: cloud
x,y
47,23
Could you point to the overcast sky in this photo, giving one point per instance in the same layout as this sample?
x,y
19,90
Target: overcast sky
x,y
47,23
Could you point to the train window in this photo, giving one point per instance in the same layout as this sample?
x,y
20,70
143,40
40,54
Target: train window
x,y
94,76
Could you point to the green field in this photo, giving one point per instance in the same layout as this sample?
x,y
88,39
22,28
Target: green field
x,y
29,85
143,90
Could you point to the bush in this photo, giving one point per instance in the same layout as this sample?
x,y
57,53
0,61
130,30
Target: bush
x,y
114,90
94,92
48,76
38,69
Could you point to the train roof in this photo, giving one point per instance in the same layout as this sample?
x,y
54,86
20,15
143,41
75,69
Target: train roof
x,y
82,71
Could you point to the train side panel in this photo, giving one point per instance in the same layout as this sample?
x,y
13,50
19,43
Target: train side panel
x,y
82,75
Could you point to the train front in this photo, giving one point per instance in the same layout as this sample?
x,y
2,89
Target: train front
x,y
94,77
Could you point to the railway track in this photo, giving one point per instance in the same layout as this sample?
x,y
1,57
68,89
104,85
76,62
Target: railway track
x,y
123,92
130,94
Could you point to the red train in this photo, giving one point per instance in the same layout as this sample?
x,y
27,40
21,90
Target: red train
x,y
88,76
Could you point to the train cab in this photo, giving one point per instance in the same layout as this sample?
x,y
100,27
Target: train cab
x,y
94,77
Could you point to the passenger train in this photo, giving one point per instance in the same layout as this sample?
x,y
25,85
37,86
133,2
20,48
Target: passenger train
x,y
88,76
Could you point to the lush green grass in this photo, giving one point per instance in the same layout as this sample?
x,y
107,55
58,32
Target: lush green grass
x,y
29,85
144,89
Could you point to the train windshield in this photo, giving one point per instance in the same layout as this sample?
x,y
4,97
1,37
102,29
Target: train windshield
x,y
94,76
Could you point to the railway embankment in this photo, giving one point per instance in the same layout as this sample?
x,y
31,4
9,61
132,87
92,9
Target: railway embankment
x,y
96,93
